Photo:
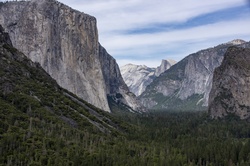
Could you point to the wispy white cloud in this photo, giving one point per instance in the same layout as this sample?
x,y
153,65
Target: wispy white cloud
x,y
115,15
117,18
216,30
143,43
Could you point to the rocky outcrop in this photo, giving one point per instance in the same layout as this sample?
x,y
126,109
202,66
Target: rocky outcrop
x,y
165,65
64,41
236,42
230,92
116,88
187,84
138,77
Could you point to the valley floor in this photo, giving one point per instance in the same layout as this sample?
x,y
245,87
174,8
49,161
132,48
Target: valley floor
x,y
150,139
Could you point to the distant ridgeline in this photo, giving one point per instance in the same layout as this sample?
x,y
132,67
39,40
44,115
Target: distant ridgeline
x,y
187,84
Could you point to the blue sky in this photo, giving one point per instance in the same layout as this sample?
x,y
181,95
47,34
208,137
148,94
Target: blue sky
x,y
147,31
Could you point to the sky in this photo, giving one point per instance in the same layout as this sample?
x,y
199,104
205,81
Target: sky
x,y
144,32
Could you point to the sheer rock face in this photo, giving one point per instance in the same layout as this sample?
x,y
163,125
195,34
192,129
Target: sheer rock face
x,y
230,92
187,84
115,84
165,65
138,77
64,41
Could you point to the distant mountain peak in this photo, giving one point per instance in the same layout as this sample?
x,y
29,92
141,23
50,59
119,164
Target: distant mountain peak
x,y
236,42
171,61
138,77
165,64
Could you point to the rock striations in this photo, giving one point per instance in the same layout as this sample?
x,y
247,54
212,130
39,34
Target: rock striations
x,y
115,85
230,92
138,77
65,42
187,84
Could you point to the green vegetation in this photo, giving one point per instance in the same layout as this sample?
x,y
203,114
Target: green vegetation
x,y
10,48
155,139
192,103
43,124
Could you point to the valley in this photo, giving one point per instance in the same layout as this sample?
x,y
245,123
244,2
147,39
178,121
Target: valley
x,y
65,101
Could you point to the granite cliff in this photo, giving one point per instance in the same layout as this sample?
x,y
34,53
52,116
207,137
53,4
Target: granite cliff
x,y
116,88
138,77
187,84
65,42
230,92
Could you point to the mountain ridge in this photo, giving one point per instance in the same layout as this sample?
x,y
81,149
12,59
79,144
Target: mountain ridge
x,y
138,77
186,85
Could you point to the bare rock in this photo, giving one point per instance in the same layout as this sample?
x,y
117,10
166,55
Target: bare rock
x,y
230,92
138,77
187,84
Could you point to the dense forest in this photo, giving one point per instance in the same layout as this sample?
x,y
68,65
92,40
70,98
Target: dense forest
x,y
153,139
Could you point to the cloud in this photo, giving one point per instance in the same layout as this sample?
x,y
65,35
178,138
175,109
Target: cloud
x,y
142,31
114,15
146,31
232,28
